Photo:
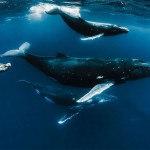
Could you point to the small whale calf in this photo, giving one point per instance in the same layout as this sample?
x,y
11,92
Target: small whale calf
x,y
4,67
98,74
90,30
67,96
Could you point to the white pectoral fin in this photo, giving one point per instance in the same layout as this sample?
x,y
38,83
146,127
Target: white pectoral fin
x,y
92,37
96,90
74,111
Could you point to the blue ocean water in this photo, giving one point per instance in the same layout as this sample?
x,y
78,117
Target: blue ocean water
x,y
27,121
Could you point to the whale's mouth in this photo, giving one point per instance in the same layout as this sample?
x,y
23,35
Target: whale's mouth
x,y
141,70
126,30
144,65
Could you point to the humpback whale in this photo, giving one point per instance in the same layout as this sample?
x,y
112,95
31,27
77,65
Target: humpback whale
x,y
90,30
98,74
66,70
67,96
4,67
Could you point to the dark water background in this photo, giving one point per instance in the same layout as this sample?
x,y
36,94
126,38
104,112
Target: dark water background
x,y
29,122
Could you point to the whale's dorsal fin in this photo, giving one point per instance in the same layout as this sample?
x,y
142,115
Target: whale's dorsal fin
x,y
61,55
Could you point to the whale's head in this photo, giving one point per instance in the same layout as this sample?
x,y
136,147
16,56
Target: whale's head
x,y
140,69
114,30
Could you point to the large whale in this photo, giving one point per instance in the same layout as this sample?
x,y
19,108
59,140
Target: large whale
x,y
85,72
67,96
89,29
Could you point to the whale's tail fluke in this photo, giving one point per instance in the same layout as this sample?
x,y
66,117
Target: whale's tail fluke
x,y
54,10
69,11
17,52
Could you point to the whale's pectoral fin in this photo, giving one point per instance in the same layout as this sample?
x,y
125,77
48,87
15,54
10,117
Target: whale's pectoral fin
x,y
73,111
96,90
92,37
